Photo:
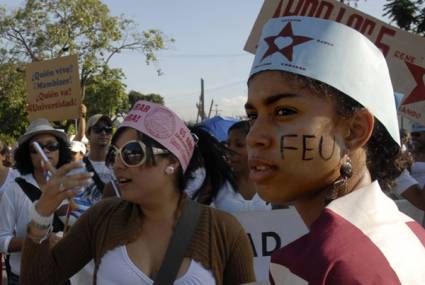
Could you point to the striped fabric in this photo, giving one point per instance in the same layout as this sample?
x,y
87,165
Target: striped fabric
x,y
360,238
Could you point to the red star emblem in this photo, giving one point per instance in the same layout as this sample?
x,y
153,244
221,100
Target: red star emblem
x,y
418,94
288,50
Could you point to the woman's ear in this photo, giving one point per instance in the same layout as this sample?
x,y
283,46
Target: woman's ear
x,y
359,129
171,166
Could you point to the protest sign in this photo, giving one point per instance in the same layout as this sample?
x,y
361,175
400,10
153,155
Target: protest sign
x,y
53,89
404,51
268,231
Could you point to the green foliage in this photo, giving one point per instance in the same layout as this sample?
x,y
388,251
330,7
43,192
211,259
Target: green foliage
x,y
408,14
46,29
12,101
106,93
135,96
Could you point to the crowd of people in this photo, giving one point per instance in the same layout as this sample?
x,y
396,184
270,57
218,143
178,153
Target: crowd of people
x,y
151,201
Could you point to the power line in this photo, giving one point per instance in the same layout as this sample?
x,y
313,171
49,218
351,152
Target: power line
x,y
213,89
200,55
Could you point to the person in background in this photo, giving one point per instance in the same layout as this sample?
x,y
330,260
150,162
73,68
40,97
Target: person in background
x,y
78,150
7,176
417,170
151,154
16,204
212,174
99,134
246,197
406,185
8,156
324,135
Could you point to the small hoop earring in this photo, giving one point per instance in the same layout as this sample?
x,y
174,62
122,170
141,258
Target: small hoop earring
x,y
169,170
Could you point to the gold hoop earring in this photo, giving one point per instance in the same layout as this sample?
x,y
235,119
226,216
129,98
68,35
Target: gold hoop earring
x,y
340,186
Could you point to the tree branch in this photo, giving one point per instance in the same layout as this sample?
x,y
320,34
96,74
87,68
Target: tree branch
x,y
24,43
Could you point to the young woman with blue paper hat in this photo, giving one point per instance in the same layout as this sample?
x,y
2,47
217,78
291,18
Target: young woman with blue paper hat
x,y
324,135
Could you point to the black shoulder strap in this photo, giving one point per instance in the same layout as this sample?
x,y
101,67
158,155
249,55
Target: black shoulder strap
x,y
180,240
99,183
30,190
34,194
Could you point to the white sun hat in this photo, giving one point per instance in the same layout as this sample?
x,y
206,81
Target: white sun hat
x,y
334,54
41,126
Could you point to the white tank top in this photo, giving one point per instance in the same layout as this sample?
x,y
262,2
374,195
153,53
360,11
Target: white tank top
x,y
116,268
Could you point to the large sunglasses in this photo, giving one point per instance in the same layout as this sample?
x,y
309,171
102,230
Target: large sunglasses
x,y
50,146
132,154
99,129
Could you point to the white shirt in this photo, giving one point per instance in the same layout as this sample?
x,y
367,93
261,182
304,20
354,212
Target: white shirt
x,y
403,182
116,268
11,175
14,218
231,201
102,170
227,198
417,171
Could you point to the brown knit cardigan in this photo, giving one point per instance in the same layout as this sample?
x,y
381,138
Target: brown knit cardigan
x,y
219,243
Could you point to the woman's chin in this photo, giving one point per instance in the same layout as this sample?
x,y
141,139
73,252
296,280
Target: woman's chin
x,y
275,195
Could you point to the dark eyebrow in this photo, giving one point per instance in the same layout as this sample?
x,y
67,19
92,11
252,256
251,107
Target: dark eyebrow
x,y
272,99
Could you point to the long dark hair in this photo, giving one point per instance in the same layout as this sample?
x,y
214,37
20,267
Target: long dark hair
x,y
23,158
211,155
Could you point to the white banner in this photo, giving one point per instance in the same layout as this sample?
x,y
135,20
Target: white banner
x,y
268,231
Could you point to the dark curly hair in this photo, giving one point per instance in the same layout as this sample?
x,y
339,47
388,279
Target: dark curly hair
x,y
23,158
384,157
241,125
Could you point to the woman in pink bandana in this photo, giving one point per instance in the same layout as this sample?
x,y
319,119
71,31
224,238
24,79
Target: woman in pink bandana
x,y
324,136
128,238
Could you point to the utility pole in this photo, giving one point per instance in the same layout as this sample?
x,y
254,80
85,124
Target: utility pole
x,y
216,109
202,100
201,105
209,112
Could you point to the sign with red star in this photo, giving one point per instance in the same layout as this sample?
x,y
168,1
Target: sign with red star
x,y
286,51
418,94
413,107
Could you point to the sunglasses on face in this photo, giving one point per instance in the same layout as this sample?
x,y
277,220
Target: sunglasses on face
x,y
50,146
102,128
132,154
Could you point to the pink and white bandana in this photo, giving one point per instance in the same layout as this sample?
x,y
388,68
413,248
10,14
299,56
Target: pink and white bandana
x,y
332,53
164,126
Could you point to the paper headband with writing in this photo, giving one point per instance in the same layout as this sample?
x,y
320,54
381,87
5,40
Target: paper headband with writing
x,y
334,54
164,126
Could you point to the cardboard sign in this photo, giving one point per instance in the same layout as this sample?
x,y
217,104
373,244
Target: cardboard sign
x,y
53,89
268,231
404,51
